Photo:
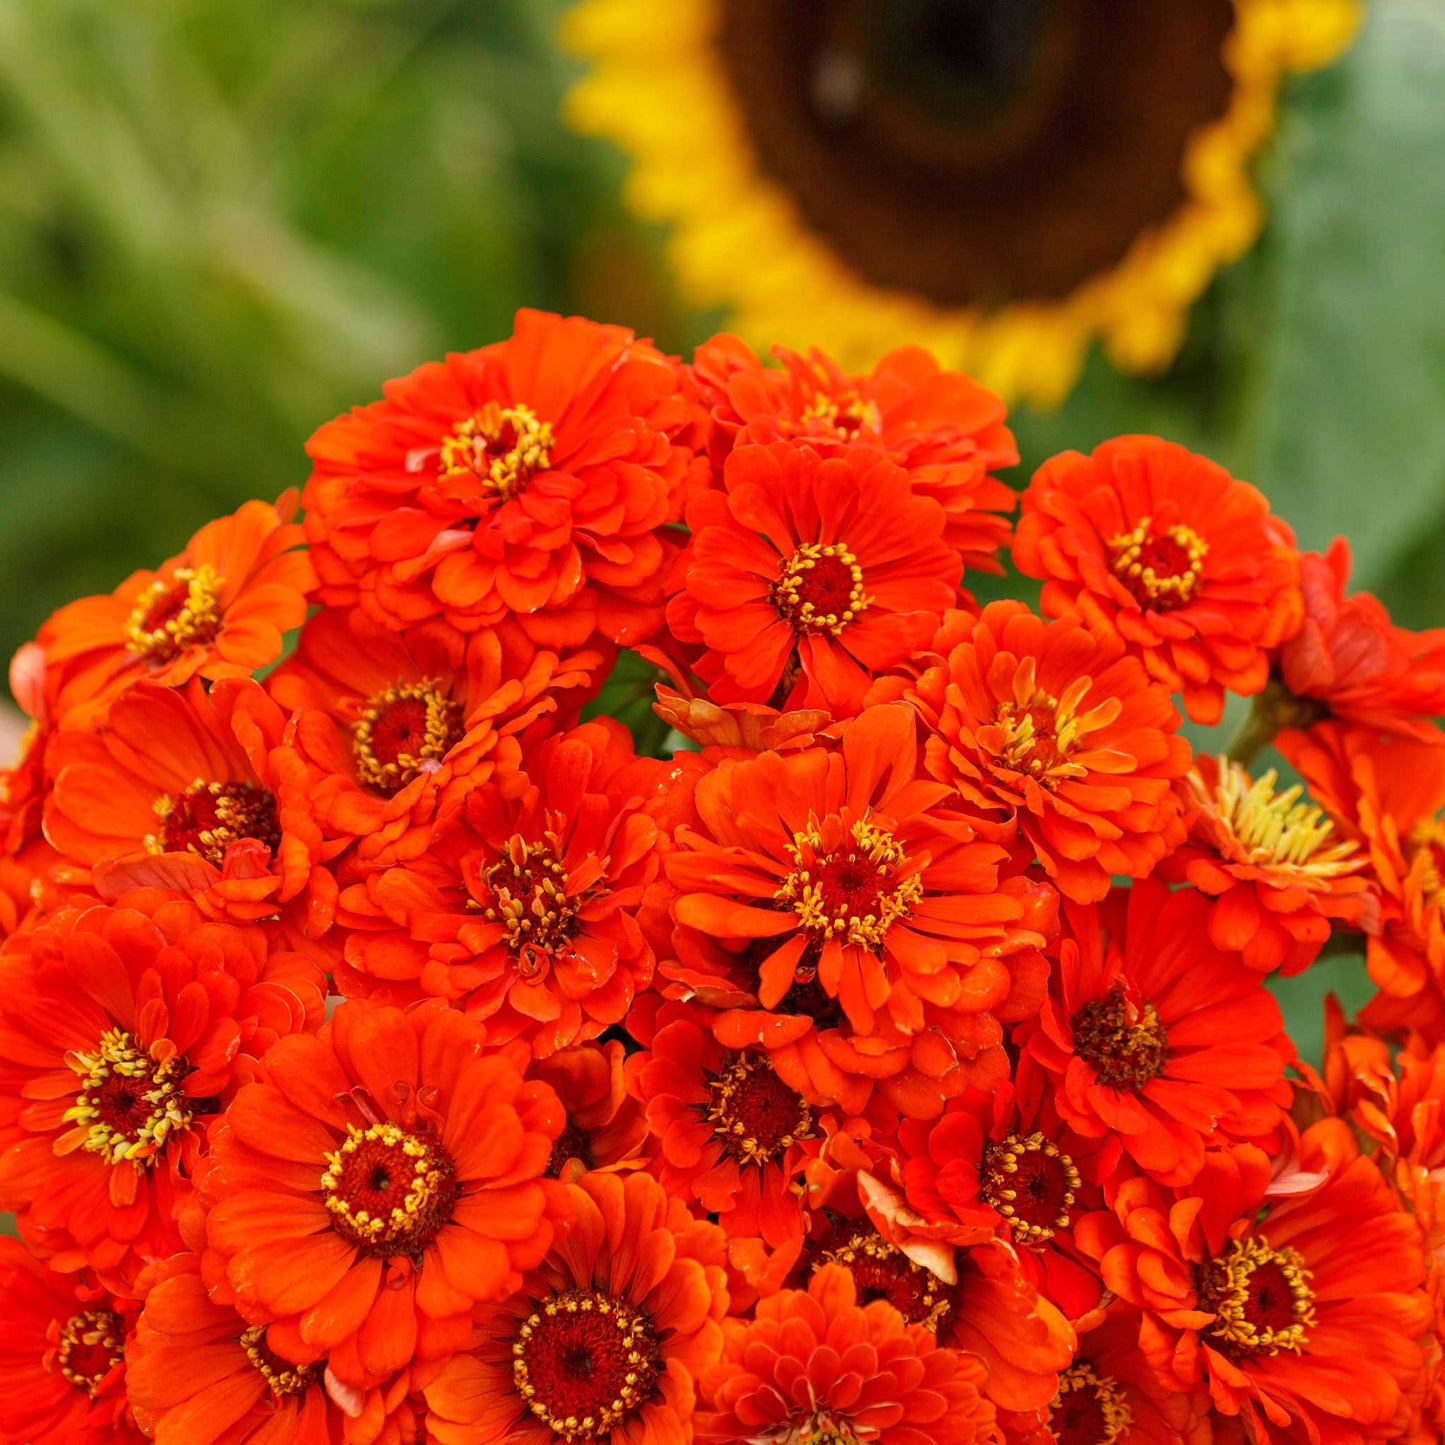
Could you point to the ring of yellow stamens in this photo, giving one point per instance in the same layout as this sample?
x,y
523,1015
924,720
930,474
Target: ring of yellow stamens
x,y
578,1343
128,1105
388,1191
1034,732
1260,1296
1425,851
845,881
529,898
281,1376
1005,1165
425,739
1098,1400
176,612
755,1114
882,1271
1161,589
209,816
819,589
846,415
502,447
1124,1042
91,1345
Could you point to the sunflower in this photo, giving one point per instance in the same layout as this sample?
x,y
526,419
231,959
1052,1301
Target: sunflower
x,y
1001,181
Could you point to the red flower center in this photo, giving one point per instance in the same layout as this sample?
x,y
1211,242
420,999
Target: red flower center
x,y
208,817
1089,1409
128,1104
389,1192
1031,1183
1124,1042
1426,853
819,588
176,612
281,1376
1261,1298
404,730
755,1114
490,457
882,1271
584,1362
526,892
844,415
846,881
91,1345
1162,569
572,1143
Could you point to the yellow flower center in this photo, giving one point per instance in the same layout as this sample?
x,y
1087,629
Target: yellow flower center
x,y
882,1271
847,881
91,1345
388,1191
1123,1041
208,817
1032,1183
281,1376
176,612
845,415
819,589
128,1104
404,730
1089,1408
1261,1298
755,1114
1426,853
584,1362
1162,569
501,448
1035,733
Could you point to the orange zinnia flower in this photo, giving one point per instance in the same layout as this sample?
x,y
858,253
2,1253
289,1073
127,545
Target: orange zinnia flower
x,y
63,1369
197,1374
846,847
193,789
820,1365
1301,1310
606,1127
604,1339
124,1030
1169,551
394,725
530,477
521,909
809,573
1052,726
1278,871
1349,658
383,1180
219,609
944,429
1157,1042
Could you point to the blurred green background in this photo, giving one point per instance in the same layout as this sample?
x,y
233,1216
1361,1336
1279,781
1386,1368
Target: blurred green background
x,y
223,221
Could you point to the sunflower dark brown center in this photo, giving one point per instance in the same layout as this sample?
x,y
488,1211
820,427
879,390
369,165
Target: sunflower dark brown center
x,y
388,1191
1089,1408
1032,1183
584,1362
404,730
208,817
128,1105
882,1271
526,891
819,589
977,151
281,1376
754,1113
176,612
1162,568
91,1345
491,456
1261,1297
849,881
1125,1042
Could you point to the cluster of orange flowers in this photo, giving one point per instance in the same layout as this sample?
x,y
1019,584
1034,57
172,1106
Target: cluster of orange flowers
x,y
890,1064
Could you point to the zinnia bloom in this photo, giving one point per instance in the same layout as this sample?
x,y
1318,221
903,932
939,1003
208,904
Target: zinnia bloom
x,y
217,610
62,1356
1003,184
1053,727
604,1339
818,1365
1301,1310
529,477
124,1031
944,429
383,1180
1349,658
521,908
807,574
847,848
1158,1043
606,1126
1167,550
